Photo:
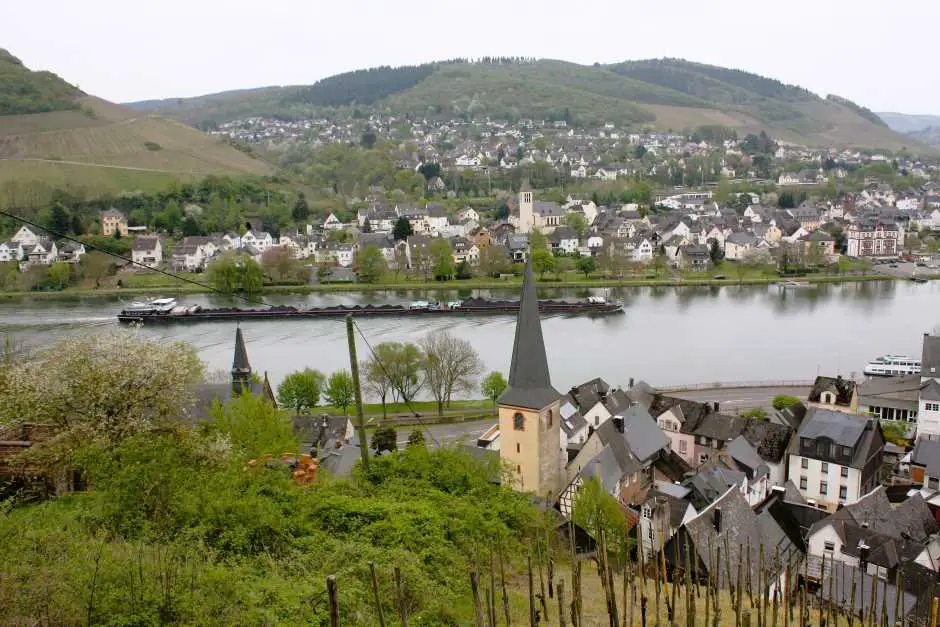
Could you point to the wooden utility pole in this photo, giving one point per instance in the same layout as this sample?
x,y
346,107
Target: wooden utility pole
x,y
354,368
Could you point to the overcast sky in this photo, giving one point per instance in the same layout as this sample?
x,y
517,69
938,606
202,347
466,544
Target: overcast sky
x,y
878,53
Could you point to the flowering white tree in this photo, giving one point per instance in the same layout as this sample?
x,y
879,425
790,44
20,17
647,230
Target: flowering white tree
x,y
101,388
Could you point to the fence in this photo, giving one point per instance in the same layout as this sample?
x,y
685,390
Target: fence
x,y
718,385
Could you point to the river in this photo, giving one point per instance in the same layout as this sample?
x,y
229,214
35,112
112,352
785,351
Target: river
x,y
667,336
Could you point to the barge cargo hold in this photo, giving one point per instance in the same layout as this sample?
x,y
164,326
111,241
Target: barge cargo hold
x,y
160,311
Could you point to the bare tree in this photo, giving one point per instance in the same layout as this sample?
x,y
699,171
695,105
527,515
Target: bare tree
x,y
450,365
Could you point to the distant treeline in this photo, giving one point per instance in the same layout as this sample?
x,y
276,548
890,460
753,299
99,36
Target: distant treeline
x,y
362,87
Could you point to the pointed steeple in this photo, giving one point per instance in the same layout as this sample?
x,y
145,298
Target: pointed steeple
x,y
530,384
241,369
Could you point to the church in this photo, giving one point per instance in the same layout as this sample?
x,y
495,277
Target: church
x,y
242,379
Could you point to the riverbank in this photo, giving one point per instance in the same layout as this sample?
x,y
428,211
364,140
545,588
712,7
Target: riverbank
x,y
470,284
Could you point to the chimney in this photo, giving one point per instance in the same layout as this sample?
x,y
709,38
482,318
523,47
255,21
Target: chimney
x,y
630,383
778,489
590,430
717,520
618,423
715,405
863,550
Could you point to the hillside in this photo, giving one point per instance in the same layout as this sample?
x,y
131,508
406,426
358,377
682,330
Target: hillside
x,y
25,91
64,138
922,128
662,94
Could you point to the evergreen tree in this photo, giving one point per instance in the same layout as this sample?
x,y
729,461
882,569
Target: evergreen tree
x,y
402,229
59,219
301,210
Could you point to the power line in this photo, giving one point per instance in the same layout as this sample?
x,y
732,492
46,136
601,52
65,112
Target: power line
x,y
131,261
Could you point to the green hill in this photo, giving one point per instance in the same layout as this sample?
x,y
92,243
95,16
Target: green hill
x,y
61,137
661,94
25,91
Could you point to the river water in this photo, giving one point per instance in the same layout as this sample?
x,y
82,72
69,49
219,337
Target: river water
x,y
667,336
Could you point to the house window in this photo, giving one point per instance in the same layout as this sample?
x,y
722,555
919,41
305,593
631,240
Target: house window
x,y
824,487
551,417
933,483
803,483
804,463
518,448
843,493
825,467
518,422
702,458
932,406
844,471
518,469
683,446
597,420
829,546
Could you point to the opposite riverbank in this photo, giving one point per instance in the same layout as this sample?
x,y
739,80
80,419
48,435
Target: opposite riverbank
x,y
470,284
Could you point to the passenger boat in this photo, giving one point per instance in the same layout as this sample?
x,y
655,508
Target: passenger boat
x,y
892,366
166,310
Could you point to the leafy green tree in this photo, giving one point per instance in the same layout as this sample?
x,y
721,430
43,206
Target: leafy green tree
x,y
370,264
385,439
543,261
402,229
494,261
464,271
587,266
895,432
233,272
301,210
170,218
595,510
562,266
59,274
501,212
367,140
393,370
783,401
577,222
715,253
191,227
442,259
254,426
339,390
537,240
59,219
300,390
493,386
416,438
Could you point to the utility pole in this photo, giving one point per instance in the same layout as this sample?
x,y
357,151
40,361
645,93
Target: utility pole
x,y
354,367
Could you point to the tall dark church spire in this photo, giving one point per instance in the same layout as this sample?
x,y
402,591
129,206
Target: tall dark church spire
x,y
241,369
530,385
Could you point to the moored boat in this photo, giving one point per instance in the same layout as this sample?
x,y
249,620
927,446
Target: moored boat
x,y
892,366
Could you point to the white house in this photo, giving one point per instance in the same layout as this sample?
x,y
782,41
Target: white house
x,y
642,250
579,172
261,240
11,251
468,213
232,241
147,251
332,223
738,244
835,457
26,236
435,219
789,178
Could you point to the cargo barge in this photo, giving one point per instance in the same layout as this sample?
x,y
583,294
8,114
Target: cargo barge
x,y
167,310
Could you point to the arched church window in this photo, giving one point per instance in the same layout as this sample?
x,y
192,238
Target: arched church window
x,y
518,422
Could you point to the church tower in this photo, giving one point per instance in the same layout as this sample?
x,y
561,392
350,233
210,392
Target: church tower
x,y
241,369
529,420
526,209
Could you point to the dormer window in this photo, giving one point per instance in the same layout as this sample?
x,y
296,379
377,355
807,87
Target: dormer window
x,y
518,422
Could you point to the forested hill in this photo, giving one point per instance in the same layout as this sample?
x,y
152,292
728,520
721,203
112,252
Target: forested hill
x,y
25,91
662,93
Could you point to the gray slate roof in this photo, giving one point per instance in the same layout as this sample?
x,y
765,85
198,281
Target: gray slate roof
x,y
530,384
843,429
927,454
642,433
930,358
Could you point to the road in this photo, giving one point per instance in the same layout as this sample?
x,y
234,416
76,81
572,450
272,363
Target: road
x,y
729,400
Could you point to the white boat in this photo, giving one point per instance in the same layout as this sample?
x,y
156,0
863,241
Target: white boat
x,y
794,284
892,366
154,306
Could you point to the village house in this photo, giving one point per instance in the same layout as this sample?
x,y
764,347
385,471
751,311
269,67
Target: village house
x,y
564,240
738,244
113,221
332,223
147,251
834,393
835,457
464,250
26,237
260,240
693,257
11,251
43,252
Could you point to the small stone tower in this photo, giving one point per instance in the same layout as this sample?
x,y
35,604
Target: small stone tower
x,y
241,369
526,209
529,420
